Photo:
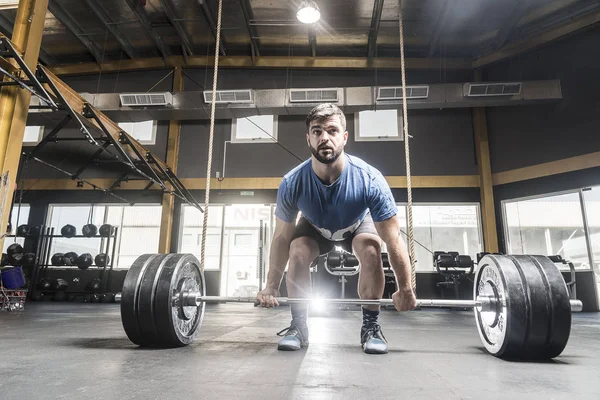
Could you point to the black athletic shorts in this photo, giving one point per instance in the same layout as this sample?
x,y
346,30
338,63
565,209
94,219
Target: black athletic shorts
x,y
305,229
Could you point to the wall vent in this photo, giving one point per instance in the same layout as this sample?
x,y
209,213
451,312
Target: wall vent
x,y
229,96
313,95
395,92
492,89
146,99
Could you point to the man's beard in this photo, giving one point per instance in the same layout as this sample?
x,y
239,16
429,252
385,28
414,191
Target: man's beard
x,y
325,159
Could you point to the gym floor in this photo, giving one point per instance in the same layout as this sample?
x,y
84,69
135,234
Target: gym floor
x,y
80,351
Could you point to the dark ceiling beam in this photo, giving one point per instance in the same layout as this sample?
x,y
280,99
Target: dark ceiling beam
x,y
507,28
140,14
184,37
275,62
212,25
439,27
374,30
6,27
540,39
312,40
112,27
75,29
249,16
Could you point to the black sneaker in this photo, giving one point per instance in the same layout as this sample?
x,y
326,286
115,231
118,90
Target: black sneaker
x,y
372,339
294,337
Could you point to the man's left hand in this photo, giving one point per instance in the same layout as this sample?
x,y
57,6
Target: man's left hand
x,y
404,300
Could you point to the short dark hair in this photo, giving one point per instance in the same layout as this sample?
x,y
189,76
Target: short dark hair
x,y
324,111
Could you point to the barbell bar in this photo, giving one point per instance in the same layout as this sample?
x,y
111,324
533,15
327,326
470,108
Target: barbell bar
x,y
484,303
521,303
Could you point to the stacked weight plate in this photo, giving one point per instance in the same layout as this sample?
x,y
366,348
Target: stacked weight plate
x,y
533,315
150,303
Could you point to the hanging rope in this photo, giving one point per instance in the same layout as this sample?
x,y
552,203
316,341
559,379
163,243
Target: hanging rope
x,y
211,137
411,239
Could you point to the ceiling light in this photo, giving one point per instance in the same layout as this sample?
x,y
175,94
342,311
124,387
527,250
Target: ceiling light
x,y
308,12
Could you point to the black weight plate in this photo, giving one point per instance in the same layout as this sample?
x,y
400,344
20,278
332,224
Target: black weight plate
x,y
129,298
503,333
559,326
178,326
146,300
538,313
334,259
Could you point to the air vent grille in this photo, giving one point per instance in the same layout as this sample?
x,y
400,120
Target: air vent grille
x,y
492,89
146,99
229,96
313,95
395,92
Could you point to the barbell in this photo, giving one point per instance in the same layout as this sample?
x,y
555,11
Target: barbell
x,y
521,303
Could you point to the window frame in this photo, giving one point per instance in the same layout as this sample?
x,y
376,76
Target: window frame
x,y
504,202
450,204
116,247
40,135
150,142
273,139
359,138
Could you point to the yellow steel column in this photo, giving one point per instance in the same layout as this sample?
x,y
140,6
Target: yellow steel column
x,y
14,102
486,188
168,202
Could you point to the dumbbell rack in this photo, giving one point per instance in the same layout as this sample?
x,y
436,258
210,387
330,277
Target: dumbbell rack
x,y
41,248
107,247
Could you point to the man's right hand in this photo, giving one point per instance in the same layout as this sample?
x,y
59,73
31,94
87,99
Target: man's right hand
x,y
267,297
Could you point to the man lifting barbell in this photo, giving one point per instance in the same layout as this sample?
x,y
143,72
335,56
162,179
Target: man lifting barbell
x,y
343,201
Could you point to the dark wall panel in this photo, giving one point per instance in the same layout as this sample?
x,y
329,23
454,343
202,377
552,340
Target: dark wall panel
x,y
523,136
135,81
442,144
70,155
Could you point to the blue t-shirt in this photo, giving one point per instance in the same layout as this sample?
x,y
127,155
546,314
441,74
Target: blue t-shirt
x,y
336,209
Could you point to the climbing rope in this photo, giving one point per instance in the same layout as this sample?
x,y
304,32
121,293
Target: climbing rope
x,y
411,239
211,137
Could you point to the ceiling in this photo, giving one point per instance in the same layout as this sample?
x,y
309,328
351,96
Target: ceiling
x,y
99,31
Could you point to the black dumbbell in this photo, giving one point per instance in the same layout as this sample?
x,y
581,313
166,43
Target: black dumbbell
x,y
57,259
84,261
106,230
29,259
14,248
60,285
37,296
23,230
68,231
102,260
45,285
94,285
35,230
108,297
70,258
89,230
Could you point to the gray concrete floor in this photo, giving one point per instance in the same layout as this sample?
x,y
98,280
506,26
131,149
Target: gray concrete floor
x,y
80,351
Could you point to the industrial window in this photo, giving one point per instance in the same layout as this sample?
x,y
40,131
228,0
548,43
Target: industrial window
x,y
445,227
33,135
144,131
254,129
548,225
138,229
192,221
377,125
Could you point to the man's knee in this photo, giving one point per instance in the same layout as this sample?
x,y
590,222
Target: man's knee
x,y
302,252
368,252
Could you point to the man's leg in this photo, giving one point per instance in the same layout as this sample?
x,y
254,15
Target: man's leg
x,y
371,284
303,250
